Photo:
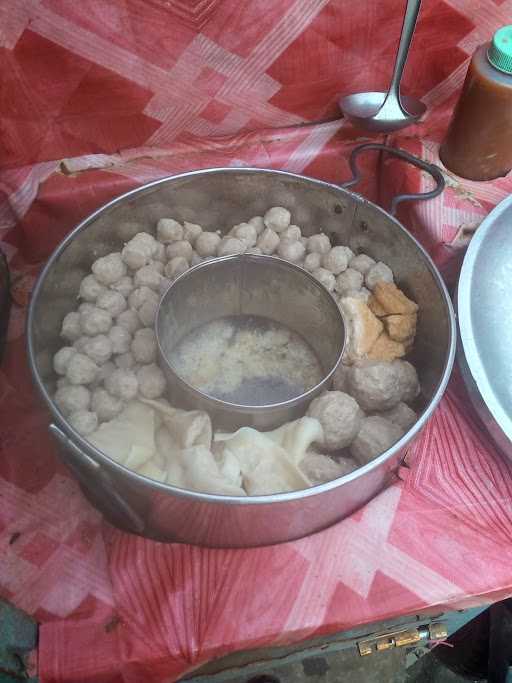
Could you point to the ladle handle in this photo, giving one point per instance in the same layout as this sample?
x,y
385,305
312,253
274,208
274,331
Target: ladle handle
x,y
411,15
432,169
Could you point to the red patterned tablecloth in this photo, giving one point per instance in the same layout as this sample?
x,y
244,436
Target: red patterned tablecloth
x,y
98,97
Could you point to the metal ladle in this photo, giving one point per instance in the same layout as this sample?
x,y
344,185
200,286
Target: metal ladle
x,y
384,112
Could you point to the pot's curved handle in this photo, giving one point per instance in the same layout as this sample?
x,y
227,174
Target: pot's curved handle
x,y
84,467
432,169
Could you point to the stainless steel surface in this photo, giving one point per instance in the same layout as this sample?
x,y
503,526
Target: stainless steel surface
x,y
251,285
484,300
385,112
219,198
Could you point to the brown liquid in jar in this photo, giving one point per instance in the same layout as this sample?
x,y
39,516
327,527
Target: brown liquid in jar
x,y
478,145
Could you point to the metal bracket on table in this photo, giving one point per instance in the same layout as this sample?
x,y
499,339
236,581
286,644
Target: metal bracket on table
x,y
89,471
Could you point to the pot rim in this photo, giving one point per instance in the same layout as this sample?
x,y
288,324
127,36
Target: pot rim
x,y
136,478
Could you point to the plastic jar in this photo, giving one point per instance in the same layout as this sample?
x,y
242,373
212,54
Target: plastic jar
x,y
478,144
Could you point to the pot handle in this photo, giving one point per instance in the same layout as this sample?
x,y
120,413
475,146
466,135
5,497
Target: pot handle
x,y
432,169
81,463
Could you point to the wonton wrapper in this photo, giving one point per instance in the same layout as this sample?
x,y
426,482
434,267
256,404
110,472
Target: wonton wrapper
x,y
152,470
269,461
187,427
199,471
128,438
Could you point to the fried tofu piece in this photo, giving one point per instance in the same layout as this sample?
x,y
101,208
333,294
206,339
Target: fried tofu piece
x,y
401,327
393,300
386,349
362,328
376,308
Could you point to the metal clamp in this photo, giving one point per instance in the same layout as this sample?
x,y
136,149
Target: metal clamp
x,y
78,461
432,169
402,638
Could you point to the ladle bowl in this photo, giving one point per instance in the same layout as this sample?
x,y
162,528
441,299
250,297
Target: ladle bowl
x,y
385,112
362,107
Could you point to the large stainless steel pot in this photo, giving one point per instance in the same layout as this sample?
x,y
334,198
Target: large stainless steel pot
x,y
219,198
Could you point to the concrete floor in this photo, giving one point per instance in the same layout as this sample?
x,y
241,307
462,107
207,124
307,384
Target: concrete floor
x,y
347,666
428,669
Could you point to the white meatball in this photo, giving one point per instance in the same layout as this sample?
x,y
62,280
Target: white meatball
x,y
207,243
84,421
147,313
325,277
408,378
129,320
71,398
195,260
168,230
312,261
90,289
165,283
151,381
140,296
257,223
99,348
277,218
148,276
126,361
377,385
146,239
191,231
230,245
71,327
120,338
79,345
320,468
340,378
63,382
349,280
181,248
113,302
160,255
109,269
137,252
105,405
254,250
401,415
340,417
362,293
292,232
62,358
123,384
318,244
268,241
176,267
124,286
380,272
336,260
81,369
291,250
245,232
362,263
104,371
144,345
86,308
375,436
158,265
95,321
